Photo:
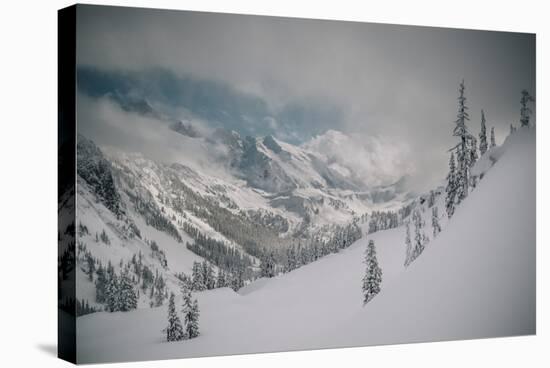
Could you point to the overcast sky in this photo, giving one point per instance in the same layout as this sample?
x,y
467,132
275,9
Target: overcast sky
x,y
397,84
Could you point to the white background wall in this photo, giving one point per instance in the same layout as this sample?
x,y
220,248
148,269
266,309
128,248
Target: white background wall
x,y
28,202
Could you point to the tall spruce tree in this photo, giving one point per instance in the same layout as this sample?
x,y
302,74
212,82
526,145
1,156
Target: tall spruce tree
x,y
431,199
191,315
435,221
237,278
221,280
208,275
174,330
127,294
198,277
100,285
112,294
373,274
267,265
525,111
291,261
419,236
473,152
472,161
483,135
462,148
450,189
493,142
408,245
91,267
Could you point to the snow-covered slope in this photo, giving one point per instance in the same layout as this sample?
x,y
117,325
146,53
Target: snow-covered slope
x,y
475,279
264,194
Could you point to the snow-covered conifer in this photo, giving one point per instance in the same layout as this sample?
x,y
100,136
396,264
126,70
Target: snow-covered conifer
x,y
408,245
112,294
462,148
198,277
100,284
419,236
472,161
127,294
431,199
291,261
473,152
435,221
160,290
174,330
267,265
191,315
450,189
483,135
91,266
493,143
208,275
373,274
525,111
237,278
104,237
221,279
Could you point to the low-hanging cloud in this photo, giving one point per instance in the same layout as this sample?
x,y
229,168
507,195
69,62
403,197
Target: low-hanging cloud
x,y
376,161
391,81
106,123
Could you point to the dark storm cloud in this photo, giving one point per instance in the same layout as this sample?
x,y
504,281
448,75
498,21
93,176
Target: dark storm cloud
x,y
389,81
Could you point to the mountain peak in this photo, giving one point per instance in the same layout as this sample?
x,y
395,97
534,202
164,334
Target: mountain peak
x,y
272,144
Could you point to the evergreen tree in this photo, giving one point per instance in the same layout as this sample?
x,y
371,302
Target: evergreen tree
x,y
291,261
104,237
91,266
221,281
435,222
450,189
419,236
512,128
408,245
525,111
267,265
373,274
191,315
472,161
174,331
473,152
127,296
237,278
100,285
112,294
493,143
431,199
483,135
208,275
462,148
198,277
159,290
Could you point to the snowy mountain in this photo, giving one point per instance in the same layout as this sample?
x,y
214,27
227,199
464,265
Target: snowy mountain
x,y
258,198
474,279
264,177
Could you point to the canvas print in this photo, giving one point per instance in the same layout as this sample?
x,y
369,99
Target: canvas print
x,y
233,184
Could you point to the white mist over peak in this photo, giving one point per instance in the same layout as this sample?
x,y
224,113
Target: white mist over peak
x,y
374,160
